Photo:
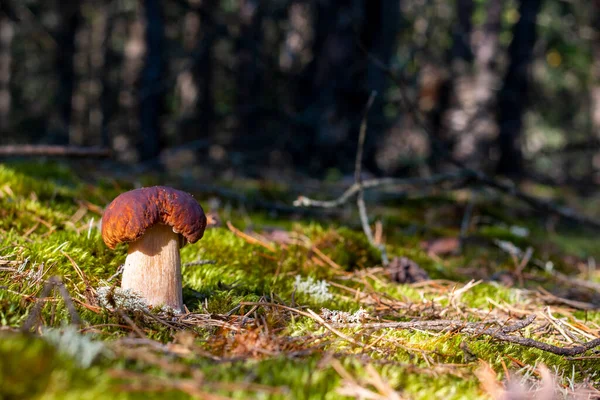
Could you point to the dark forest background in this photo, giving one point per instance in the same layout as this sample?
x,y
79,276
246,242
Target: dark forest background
x,y
251,87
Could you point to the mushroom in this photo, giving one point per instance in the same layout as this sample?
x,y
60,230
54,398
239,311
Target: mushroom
x,y
156,222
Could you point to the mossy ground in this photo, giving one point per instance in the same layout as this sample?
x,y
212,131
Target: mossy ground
x,y
48,227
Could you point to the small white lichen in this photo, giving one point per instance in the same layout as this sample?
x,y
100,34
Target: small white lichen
x,y
68,340
116,297
341,317
318,290
126,299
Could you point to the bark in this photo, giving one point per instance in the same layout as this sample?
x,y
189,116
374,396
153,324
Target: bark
x,y
461,35
486,46
107,100
513,97
97,77
195,84
381,30
124,140
151,93
70,17
86,116
333,89
450,115
595,73
339,94
7,32
249,74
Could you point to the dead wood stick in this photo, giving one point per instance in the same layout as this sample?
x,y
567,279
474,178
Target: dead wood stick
x,y
54,151
311,314
501,333
368,184
360,200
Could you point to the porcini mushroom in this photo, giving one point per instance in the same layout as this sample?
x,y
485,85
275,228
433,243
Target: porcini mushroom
x,y
156,222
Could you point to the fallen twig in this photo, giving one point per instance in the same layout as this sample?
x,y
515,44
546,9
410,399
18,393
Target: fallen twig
x,y
479,328
54,151
310,314
250,239
498,331
360,200
368,184
119,272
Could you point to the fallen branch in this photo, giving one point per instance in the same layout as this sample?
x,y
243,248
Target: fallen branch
x,y
53,151
501,333
310,314
353,190
360,200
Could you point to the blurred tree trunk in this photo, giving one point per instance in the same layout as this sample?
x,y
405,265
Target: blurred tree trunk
x,y
339,93
513,98
151,91
109,59
486,46
463,116
194,85
124,139
595,86
382,25
249,74
97,65
86,115
595,89
333,89
455,101
70,21
7,32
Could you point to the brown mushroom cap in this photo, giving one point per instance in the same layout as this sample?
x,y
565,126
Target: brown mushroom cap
x,y
129,215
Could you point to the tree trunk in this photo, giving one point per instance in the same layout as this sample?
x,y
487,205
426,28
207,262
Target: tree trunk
x,y
340,93
381,30
332,91
249,77
513,98
151,97
195,84
124,138
70,17
595,87
7,32
453,95
107,97
97,65
486,45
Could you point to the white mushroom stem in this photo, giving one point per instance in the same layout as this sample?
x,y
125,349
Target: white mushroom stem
x,y
153,267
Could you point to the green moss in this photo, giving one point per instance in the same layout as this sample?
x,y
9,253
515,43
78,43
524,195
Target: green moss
x,y
46,212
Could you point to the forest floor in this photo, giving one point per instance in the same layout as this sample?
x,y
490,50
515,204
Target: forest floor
x,y
285,305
